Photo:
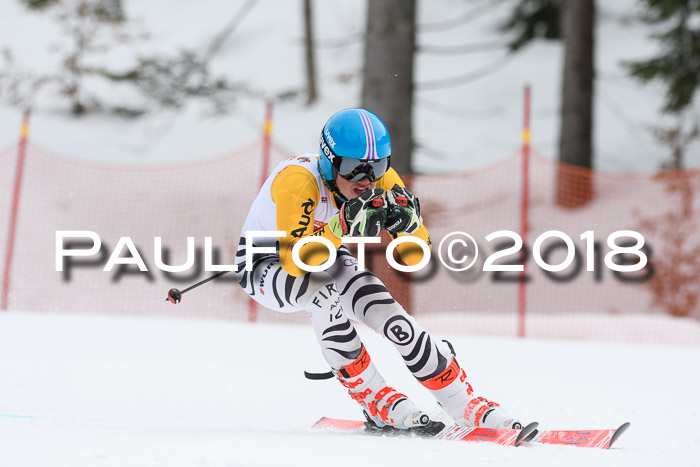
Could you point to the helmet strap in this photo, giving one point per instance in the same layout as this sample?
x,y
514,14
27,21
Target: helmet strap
x,y
333,188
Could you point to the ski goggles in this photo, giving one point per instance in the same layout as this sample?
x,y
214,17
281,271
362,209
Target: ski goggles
x,y
354,170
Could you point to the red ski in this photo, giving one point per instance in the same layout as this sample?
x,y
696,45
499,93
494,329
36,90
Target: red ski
x,y
452,433
580,438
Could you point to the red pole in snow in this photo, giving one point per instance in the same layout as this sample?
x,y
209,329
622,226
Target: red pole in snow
x,y
524,208
267,133
265,168
12,228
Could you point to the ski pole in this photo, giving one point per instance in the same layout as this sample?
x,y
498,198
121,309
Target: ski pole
x,y
174,295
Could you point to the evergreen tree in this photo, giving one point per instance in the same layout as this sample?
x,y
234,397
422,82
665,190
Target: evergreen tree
x,y
678,63
531,19
91,27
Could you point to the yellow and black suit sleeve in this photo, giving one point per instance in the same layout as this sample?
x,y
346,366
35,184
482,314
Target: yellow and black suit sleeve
x,y
295,192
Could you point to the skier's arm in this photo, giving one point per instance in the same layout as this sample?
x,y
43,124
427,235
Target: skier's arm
x,y
296,195
410,253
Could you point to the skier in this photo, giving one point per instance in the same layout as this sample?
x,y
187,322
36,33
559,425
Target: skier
x,y
349,189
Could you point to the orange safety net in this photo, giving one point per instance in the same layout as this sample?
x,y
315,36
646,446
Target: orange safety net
x,y
574,302
210,198
201,199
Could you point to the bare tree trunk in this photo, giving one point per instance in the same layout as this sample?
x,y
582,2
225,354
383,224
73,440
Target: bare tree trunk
x,y
311,90
574,187
387,88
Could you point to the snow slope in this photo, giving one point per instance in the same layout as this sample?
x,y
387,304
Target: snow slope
x,y
457,127
82,390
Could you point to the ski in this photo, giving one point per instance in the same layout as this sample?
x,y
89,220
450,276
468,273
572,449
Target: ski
x,y
504,437
580,438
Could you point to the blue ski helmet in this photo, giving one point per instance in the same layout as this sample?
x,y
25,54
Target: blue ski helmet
x,y
355,144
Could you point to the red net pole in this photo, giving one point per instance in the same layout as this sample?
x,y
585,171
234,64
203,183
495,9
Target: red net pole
x,y
266,145
265,168
12,228
524,208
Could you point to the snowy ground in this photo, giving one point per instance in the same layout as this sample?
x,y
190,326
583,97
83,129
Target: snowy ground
x,y
81,390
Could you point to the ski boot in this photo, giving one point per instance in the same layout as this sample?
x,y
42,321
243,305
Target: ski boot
x,y
387,411
455,395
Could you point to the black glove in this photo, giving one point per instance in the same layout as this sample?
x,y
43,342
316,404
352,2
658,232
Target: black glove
x,y
174,295
364,215
403,211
